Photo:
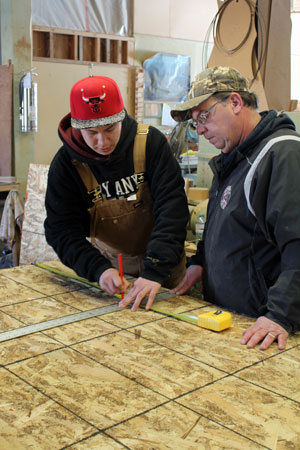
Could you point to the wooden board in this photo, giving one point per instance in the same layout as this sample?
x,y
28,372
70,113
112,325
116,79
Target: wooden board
x,y
277,71
233,25
264,10
6,120
236,21
34,247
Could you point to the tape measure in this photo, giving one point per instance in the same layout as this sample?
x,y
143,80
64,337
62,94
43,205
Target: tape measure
x,y
213,320
65,320
29,329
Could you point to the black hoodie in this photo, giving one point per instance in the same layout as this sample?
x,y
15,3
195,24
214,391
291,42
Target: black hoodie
x,y
252,264
68,222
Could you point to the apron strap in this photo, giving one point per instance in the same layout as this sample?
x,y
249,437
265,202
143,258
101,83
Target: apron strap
x,y
139,149
86,175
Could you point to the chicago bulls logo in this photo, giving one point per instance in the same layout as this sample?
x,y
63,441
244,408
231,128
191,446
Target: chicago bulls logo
x,y
94,102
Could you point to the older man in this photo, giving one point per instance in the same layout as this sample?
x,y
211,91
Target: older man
x,y
249,261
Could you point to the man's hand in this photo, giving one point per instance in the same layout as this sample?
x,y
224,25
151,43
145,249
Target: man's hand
x,y
192,275
110,281
267,331
140,288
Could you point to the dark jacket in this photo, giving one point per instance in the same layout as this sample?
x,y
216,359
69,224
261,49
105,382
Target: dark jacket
x,y
252,264
68,222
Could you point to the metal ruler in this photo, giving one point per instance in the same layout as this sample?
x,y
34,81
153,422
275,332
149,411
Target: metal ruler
x,y
29,329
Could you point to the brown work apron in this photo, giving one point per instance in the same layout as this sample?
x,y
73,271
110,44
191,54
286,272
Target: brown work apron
x,y
124,225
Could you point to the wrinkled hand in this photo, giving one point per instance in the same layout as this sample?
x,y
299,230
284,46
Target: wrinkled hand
x,y
140,288
267,331
192,275
110,281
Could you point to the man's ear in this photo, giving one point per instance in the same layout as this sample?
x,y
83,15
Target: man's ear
x,y
236,102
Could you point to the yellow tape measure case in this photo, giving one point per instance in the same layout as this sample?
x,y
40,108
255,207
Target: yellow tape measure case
x,y
215,320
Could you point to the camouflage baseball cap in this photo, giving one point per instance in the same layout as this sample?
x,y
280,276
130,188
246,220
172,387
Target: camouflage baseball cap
x,y
209,82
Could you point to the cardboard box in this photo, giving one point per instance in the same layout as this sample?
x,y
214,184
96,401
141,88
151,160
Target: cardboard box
x,y
197,193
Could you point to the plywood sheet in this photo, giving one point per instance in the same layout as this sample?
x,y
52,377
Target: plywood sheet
x,y
264,11
27,402
235,22
136,380
6,119
277,70
34,247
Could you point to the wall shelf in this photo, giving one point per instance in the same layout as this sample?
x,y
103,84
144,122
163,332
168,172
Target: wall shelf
x,y
60,45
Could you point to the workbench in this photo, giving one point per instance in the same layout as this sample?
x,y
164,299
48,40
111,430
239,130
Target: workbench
x,y
136,380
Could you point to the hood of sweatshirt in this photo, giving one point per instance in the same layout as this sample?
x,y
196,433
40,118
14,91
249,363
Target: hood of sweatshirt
x,y
270,122
79,150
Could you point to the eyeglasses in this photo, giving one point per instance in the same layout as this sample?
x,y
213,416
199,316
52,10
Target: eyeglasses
x,y
202,117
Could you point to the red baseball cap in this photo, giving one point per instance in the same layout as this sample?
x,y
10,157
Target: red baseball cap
x,y
96,101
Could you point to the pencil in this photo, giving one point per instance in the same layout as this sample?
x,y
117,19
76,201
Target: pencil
x,y
120,262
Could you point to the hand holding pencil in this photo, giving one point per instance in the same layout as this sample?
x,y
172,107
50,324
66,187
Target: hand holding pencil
x,y
112,280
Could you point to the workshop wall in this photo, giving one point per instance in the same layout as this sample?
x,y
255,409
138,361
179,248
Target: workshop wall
x,y
173,26
295,57
174,18
147,46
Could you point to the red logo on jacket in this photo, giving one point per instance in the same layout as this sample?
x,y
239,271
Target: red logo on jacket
x,y
225,197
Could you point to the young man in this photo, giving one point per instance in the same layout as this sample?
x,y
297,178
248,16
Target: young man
x,y
118,184
249,261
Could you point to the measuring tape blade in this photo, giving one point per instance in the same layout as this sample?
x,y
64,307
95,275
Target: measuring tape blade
x,y
65,320
29,329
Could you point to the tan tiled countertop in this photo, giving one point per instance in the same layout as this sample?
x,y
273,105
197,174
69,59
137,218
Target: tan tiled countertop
x,y
136,380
